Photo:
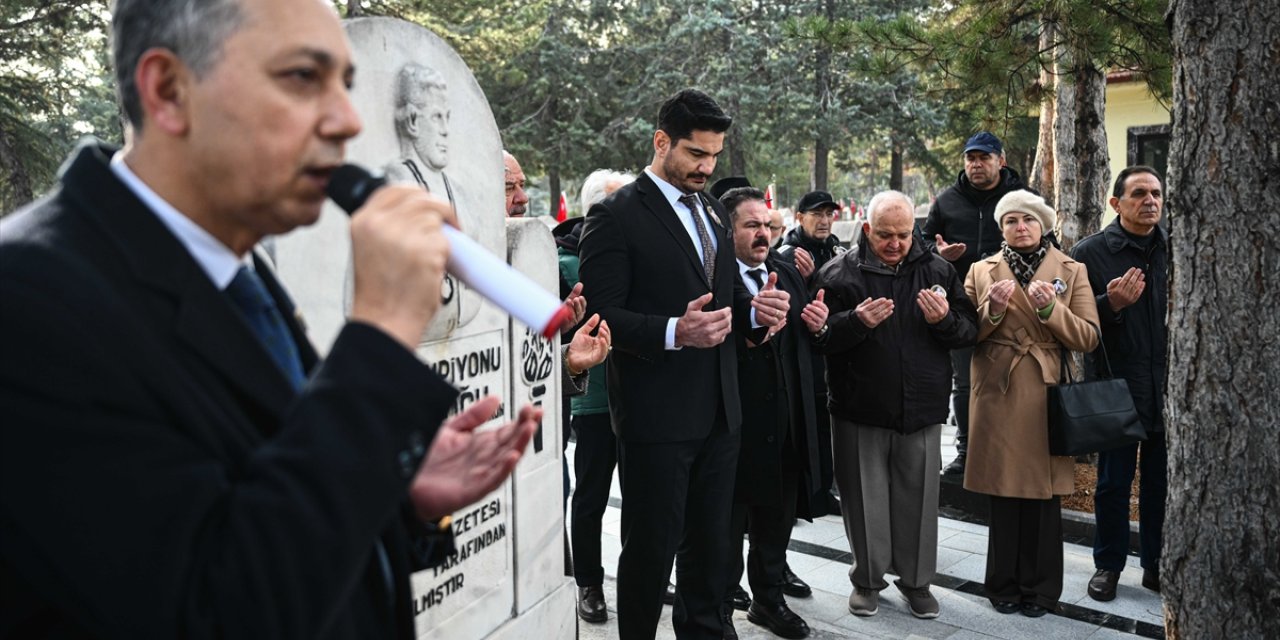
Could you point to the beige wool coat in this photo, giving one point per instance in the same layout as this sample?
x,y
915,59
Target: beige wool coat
x,y
1014,361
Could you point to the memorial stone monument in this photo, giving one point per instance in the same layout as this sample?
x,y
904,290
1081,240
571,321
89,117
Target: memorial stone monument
x,y
426,121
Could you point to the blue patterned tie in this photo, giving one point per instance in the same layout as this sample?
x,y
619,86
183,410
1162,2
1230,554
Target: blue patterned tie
x,y
259,310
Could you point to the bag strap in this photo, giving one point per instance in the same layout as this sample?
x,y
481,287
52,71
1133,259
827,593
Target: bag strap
x,y
1106,361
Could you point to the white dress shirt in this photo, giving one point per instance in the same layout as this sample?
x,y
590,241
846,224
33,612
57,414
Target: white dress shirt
x,y
217,260
673,195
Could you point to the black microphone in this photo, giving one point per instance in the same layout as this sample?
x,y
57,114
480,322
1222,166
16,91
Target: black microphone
x,y
513,292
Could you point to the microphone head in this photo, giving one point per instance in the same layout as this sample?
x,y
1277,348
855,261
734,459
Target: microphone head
x,y
350,185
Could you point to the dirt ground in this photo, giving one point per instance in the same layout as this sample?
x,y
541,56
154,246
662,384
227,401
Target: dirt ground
x,y
1087,483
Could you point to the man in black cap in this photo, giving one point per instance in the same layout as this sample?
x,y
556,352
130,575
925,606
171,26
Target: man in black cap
x,y
811,244
962,229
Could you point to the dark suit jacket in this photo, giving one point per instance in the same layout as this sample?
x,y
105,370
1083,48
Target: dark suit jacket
x,y
160,478
763,435
639,269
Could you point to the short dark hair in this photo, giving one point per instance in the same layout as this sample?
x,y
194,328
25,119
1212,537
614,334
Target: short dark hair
x,y
1118,190
736,196
194,30
691,110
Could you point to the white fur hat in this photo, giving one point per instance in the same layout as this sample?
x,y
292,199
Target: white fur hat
x,y
1026,202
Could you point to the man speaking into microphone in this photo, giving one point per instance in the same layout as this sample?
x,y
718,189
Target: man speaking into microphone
x,y
174,460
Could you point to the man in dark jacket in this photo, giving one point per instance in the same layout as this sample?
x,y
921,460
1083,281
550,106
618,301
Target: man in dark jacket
x,y
778,462
808,247
1128,269
961,228
176,462
895,312
811,244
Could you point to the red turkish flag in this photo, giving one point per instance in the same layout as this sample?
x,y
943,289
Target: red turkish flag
x,y
563,213
768,197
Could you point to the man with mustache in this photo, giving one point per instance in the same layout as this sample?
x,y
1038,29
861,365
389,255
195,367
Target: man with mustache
x,y
658,264
778,470
1128,266
895,311
961,228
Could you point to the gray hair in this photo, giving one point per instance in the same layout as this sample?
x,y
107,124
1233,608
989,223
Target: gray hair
x,y
884,197
593,188
194,30
413,84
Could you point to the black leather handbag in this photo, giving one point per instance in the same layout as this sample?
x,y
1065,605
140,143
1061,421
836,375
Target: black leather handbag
x,y
1088,416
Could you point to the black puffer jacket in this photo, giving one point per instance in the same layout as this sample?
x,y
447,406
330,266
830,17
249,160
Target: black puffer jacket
x,y
1136,338
897,375
821,250
962,213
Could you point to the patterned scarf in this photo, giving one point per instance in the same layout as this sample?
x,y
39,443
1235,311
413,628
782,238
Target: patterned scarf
x,y
1024,265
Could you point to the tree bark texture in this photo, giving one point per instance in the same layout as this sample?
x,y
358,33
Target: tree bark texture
x,y
822,91
895,167
1081,171
1221,564
1041,178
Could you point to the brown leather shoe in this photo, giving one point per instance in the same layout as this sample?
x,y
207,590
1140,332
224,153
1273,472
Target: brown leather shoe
x,y
1102,586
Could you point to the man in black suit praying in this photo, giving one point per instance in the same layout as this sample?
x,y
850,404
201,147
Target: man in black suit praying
x,y
659,264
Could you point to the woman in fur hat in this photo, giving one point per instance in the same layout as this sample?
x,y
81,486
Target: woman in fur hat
x,y
1033,301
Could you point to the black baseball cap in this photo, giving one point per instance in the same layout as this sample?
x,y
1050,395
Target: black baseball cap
x,y
816,200
984,141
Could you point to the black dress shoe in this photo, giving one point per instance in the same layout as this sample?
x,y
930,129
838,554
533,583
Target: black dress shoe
x,y
1005,607
1151,579
1033,610
955,467
669,596
779,619
1102,586
591,607
793,586
739,598
727,632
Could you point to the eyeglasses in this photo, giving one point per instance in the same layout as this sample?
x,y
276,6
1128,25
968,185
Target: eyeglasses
x,y
821,213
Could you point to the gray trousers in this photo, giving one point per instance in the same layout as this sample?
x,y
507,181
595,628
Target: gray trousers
x,y
889,486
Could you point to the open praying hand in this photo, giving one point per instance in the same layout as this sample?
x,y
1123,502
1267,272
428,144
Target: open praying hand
x,y
587,350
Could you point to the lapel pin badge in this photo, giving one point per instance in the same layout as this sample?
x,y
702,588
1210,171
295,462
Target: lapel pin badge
x,y
939,289
1059,286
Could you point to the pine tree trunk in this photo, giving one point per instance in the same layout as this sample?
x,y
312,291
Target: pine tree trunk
x,y
1066,170
1080,144
1041,178
895,167
822,92
1221,565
